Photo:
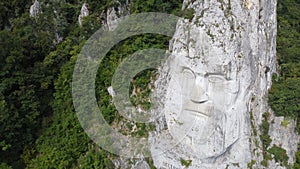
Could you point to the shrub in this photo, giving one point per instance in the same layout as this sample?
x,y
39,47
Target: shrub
x,y
279,155
185,163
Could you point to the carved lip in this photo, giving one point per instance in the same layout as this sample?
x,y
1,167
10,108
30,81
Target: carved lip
x,y
200,109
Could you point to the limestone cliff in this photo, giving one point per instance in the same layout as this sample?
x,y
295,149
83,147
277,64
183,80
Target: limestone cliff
x,y
214,89
226,38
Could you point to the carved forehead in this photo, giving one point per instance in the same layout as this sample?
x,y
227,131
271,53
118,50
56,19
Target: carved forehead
x,y
204,64
199,54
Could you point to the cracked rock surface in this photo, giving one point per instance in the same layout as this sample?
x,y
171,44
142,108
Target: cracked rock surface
x,y
219,69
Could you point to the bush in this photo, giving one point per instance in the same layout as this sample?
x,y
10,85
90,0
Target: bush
x,y
185,163
264,127
279,155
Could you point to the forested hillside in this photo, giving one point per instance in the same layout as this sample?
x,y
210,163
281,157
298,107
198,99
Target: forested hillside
x,y
284,96
38,124
39,127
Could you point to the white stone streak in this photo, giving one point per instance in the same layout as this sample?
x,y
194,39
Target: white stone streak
x,y
112,18
35,9
84,12
111,91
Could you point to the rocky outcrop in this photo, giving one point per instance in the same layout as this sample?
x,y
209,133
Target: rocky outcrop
x,y
111,19
217,76
214,89
84,12
283,135
35,9
112,15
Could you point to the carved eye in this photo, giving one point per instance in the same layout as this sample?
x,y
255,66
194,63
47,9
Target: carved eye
x,y
189,74
232,87
216,79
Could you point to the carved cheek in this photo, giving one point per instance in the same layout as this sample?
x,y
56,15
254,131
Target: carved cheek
x,y
216,93
187,81
232,90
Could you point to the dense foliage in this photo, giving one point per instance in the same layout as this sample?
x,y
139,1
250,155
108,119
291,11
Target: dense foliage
x,y
297,164
38,125
279,155
284,96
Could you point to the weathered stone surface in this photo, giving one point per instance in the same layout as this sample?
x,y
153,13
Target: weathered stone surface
x,y
112,16
219,69
35,9
142,165
283,135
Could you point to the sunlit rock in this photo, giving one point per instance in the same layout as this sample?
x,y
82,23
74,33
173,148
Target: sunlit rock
x,y
217,64
283,135
111,91
35,9
112,18
84,12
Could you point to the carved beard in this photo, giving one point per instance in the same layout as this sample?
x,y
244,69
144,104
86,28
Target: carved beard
x,y
207,135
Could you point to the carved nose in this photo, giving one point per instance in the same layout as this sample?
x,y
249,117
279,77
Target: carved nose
x,y
198,94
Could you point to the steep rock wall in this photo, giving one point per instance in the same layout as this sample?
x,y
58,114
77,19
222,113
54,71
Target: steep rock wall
x,y
241,34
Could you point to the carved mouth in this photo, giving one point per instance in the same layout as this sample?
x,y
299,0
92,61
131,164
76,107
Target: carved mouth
x,y
198,109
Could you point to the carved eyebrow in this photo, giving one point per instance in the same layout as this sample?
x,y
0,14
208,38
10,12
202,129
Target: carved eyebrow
x,y
206,74
214,74
185,67
189,69
217,74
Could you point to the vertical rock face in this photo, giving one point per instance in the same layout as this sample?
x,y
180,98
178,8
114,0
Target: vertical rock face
x,y
282,134
112,16
219,70
84,12
35,9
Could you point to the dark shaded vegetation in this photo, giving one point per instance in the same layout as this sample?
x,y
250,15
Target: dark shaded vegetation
x,y
265,139
140,88
38,124
39,127
284,96
297,163
264,128
279,155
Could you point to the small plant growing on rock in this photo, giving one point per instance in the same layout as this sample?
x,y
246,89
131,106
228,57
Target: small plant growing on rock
x,y
185,163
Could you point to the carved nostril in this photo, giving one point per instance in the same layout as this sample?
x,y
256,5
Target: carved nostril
x,y
198,94
201,99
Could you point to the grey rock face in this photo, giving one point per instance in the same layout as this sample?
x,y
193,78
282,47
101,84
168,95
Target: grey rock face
x,y
84,12
283,135
35,9
112,16
220,68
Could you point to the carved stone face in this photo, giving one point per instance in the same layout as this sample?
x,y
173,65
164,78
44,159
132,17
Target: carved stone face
x,y
201,102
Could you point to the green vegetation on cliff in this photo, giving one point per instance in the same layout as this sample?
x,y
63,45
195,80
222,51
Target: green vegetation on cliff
x,y
39,127
38,124
284,96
